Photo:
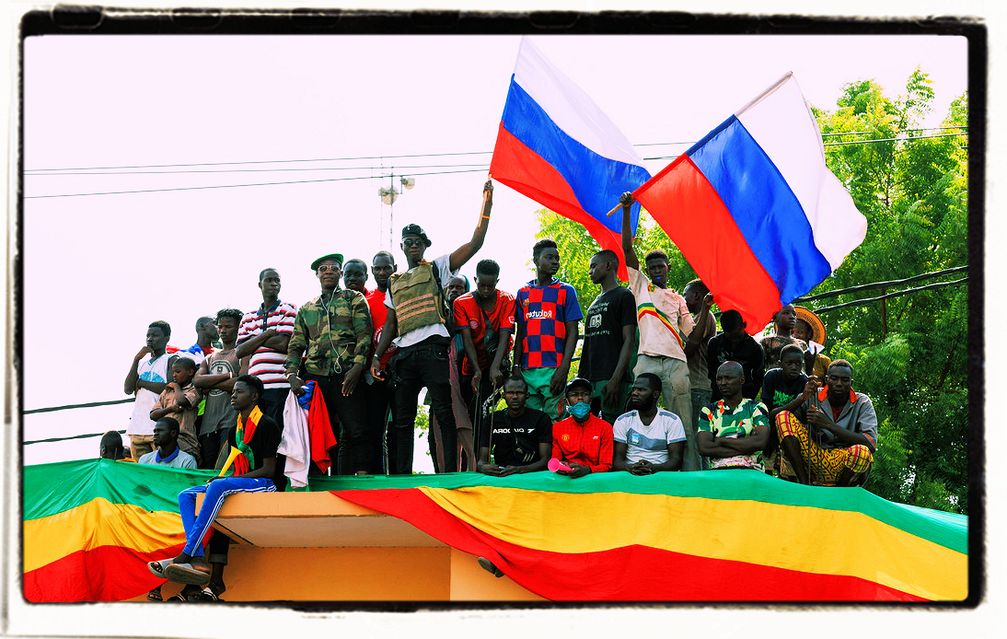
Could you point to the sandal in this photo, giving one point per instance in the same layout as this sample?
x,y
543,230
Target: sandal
x,y
178,597
186,574
156,568
206,595
155,595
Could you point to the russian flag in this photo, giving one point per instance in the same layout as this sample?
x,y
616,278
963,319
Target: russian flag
x,y
754,209
558,148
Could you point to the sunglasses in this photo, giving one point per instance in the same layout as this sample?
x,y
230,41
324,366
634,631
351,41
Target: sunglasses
x,y
411,243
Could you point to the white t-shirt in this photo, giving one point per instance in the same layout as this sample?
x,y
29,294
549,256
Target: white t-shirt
x,y
149,370
443,265
650,441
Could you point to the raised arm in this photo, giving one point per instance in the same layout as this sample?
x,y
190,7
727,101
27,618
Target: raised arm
x,y
626,199
464,253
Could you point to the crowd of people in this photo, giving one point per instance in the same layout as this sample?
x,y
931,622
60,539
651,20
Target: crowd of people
x,y
656,389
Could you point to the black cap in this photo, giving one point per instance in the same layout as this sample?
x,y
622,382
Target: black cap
x,y
414,229
578,381
331,256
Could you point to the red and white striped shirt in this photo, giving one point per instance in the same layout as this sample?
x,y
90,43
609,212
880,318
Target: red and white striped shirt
x,y
267,363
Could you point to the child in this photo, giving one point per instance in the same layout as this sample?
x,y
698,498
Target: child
x,y
180,399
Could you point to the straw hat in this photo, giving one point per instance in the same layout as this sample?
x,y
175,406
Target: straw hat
x,y
817,327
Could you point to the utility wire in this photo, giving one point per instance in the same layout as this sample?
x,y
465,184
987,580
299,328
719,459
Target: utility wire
x,y
385,176
278,170
387,157
236,186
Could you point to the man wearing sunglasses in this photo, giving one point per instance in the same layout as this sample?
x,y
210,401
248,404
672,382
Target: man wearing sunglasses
x,y
417,316
830,439
334,330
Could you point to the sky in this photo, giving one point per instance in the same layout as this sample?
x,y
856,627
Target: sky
x,y
117,262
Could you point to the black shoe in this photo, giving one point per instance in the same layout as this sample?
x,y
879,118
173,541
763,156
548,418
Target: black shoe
x,y
489,566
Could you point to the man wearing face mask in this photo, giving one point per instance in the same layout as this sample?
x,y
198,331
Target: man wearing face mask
x,y
582,441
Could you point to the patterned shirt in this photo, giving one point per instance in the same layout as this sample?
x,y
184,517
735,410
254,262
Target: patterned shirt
x,y
333,331
542,313
773,344
721,421
267,363
664,318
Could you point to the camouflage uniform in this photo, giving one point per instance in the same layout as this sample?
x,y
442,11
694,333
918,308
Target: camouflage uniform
x,y
333,331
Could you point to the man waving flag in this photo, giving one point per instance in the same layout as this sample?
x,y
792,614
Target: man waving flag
x,y
754,209
557,147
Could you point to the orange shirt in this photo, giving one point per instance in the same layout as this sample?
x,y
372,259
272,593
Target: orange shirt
x,y
589,444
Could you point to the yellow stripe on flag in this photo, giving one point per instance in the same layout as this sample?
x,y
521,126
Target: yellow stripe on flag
x,y
814,540
97,523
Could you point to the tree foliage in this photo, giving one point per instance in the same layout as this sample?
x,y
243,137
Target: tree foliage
x,y
909,357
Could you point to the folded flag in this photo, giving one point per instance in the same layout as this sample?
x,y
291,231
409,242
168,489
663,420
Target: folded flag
x,y
754,209
557,147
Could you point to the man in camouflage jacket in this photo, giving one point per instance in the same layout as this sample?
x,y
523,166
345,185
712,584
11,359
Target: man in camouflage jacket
x,y
333,332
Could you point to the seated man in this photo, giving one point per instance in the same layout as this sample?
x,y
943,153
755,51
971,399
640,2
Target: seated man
x,y
582,441
830,439
166,453
166,450
180,399
518,437
733,432
784,322
257,437
782,389
648,439
111,446
811,329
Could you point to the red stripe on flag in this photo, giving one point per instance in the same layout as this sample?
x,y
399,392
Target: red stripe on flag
x,y
630,573
520,168
685,205
106,573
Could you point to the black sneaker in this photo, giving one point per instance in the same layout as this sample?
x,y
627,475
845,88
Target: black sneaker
x,y
490,567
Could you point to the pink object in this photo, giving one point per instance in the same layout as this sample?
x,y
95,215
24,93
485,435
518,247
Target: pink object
x,y
555,464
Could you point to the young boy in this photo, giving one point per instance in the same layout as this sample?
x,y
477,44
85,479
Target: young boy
x,y
180,399
782,389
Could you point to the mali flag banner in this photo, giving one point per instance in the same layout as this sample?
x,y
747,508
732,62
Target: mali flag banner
x,y
91,526
728,535
723,535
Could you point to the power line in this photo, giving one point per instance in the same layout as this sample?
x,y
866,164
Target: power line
x,y
236,186
868,300
358,157
278,170
388,157
381,177
851,142
904,139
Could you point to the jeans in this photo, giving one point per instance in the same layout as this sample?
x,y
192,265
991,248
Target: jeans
x,y
354,452
415,367
197,525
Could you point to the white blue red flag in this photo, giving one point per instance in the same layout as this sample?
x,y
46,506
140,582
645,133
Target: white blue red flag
x,y
558,148
754,209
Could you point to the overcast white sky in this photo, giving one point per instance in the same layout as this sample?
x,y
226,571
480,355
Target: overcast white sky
x,y
114,263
